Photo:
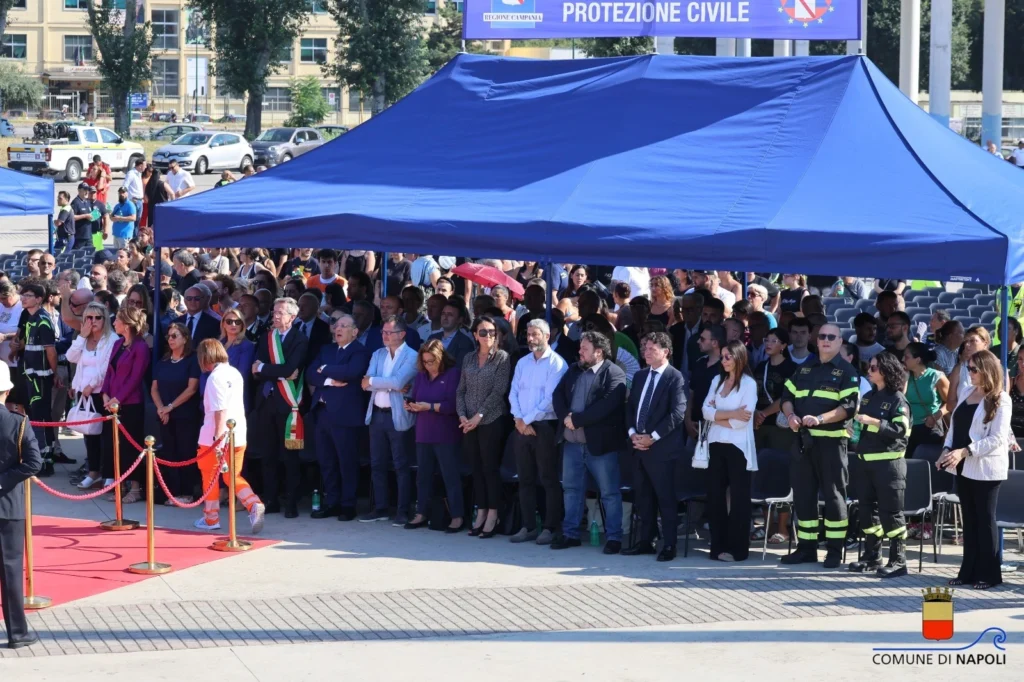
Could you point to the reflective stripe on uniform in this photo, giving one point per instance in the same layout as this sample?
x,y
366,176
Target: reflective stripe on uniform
x,y
839,433
873,530
793,389
900,419
806,535
849,391
36,347
880,456
871,428
900,532
830,395
841,523
800,523
835,534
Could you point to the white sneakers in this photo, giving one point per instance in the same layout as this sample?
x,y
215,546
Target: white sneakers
x,y
87,482
201,524
256,517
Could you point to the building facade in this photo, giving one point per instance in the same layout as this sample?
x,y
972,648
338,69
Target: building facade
x,y
50,39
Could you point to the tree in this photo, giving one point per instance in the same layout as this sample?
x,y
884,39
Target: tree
x,y
380,50
18,89
616,47
123,56
249,39
444,40
308,104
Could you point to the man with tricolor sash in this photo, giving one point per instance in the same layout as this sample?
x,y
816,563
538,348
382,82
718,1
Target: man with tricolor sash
x,y
819,401
278,371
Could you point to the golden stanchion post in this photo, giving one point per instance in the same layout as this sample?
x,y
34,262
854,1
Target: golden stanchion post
x,y
150,566
33,602
232,544
119,522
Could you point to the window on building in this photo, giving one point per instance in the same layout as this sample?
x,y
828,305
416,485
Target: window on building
x,y
314,50
77,48
277,99
333,98
353,100
285,53
430,6
14,46
223,91
19,4
76,4
317,6
166,78
165,29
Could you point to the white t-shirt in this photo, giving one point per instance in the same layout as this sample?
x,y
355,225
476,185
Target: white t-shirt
x,y
1018,156
180,180
224,391
639,280
9,325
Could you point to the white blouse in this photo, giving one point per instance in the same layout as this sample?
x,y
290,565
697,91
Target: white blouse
x,y
738,433
91,365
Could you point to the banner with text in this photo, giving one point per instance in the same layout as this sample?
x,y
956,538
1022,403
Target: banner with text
x,y
774,19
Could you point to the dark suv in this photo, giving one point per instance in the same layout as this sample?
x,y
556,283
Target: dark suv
x,y
280,145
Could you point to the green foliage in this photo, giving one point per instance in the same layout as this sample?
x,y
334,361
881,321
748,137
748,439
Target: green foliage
x,y
308,104
249,38
17,89
543,42
123,57
444,40
616,47
380,51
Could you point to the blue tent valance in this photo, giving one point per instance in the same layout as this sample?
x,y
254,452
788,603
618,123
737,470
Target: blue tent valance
x,y
22,194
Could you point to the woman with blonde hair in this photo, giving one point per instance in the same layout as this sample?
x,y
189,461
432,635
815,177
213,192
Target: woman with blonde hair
x,y
977,451
662,298
223,400
90,353
241,351
122,390
175,393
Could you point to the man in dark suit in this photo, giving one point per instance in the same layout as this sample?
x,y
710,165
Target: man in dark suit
x,y
316,331
568,349
184,264
197,319
451,336
19,460
339,409
277,402
365,313
590,403
657,406
259,320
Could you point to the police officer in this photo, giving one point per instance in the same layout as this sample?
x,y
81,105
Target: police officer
x,y
19,460
819,401
885,419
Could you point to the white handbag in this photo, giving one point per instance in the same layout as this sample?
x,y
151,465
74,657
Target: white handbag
x,y
83,410
702,453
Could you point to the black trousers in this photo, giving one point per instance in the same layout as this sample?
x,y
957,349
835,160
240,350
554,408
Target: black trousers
x,y
483,448
12,576
921,434
94,444
729,521
178,440
133,418
880,488
981,536
821,469
39,397
655,492
538,461
270,430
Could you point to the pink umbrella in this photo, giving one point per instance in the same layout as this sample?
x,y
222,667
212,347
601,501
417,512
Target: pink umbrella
x,y
488,276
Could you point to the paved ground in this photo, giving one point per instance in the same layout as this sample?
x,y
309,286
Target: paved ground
x,y
380,602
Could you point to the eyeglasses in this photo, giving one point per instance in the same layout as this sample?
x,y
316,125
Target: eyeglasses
x,y
429,360
828,337
233,322
972,369
872,367
193,298
346,326
97,318
174,336
391,333
753,294
484,333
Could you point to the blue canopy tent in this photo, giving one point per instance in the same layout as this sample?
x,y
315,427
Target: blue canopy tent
x,y
22,194
815,165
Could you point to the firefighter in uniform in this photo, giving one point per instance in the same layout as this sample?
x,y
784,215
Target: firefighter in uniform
x,y
819,401
884,416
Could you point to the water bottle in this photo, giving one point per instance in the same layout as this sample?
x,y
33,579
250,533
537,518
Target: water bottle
x,y
316,500
539,523
595,534
856,432
840,288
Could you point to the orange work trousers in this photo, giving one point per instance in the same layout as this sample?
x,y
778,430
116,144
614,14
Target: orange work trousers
x,y
208,467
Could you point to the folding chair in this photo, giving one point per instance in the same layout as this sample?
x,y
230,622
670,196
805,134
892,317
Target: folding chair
x,y
1010,506
917,501
770,486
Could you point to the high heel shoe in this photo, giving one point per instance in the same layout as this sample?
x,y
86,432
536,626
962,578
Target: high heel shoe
x,y
488,534
456,529
474,532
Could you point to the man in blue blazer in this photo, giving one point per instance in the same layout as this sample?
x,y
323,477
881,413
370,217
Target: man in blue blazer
x,y
199,322
391,372
339,409
657,406
458,345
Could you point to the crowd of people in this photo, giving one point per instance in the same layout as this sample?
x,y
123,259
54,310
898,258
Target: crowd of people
x,y
343,359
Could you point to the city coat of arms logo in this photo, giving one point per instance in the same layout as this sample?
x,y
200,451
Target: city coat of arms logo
x,y
806,12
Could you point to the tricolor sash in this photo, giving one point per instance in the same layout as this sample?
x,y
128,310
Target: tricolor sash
x,y
291,391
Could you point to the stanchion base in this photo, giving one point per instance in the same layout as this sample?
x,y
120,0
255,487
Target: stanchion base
x,y
146,568
228,546
123,524
35,603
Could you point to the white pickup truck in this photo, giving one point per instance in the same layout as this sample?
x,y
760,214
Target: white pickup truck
x,y
69,156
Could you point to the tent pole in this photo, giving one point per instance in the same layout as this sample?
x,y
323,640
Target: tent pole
x,y
746,277
49,233
384,277
548,274
1004,314
156,301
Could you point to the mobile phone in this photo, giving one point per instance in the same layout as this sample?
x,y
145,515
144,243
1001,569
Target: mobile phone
x,y
407,399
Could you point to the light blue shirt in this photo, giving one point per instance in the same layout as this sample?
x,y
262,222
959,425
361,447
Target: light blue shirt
x,y
533,385
120,229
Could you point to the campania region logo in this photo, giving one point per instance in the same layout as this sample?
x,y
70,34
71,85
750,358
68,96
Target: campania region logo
x,y
513,14
806,12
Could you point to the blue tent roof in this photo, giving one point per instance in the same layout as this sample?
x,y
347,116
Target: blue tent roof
x,y
816,165
22,194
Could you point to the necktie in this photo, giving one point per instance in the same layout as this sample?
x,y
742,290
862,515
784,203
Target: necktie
x,y
191,325
645,404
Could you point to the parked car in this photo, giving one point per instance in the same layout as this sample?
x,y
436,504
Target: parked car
x,y
232,118
198,118
6,129
164,117
330,132
174,131
73,151
281,145
206,150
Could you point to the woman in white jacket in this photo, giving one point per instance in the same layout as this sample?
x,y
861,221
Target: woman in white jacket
x,y
730,403
977,451
90,353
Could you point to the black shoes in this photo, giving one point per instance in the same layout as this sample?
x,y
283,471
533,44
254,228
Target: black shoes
x,y
833,559
347,514
59,457
612,547
897,565
272,508
865,566
325,512
291,511
22,642
638,549
411,525
47,470
565,542
800,556
667,554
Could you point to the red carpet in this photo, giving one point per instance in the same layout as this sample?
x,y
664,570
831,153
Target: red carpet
x,y
76,559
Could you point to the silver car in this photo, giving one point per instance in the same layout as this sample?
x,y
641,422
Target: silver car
x,y
174,131
206,150
281,145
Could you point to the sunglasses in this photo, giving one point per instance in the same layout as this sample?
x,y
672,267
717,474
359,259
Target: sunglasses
x,y
233,323
97,318
484,333
972,369
174,336
828,337
193,298
872,368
